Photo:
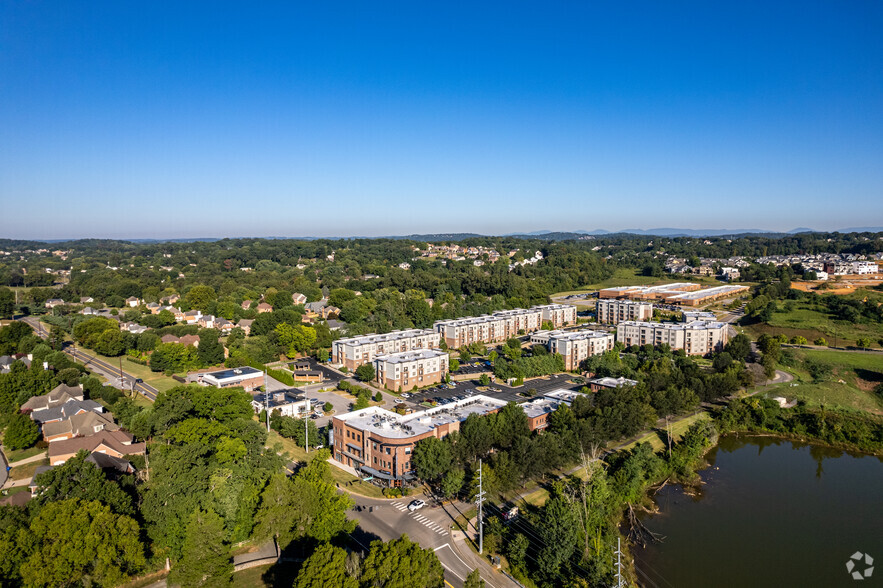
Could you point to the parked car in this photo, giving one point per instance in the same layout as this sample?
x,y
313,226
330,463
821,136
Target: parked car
x,y
398,401
416,504
405,395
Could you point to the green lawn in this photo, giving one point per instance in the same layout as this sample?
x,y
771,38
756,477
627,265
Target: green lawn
x,y
20,454
26,472
849,385
806,321
655,438
250,577
156,379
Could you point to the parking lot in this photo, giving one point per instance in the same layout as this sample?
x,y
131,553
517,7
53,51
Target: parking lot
x,y
499,391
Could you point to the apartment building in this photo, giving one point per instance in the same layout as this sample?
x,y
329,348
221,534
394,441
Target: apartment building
x,y
560,315
377,442
698,315
574,346
488,328
612,311
695,338
355,351
409,369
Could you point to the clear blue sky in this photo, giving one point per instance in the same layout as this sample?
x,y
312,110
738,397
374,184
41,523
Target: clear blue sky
x,y
150,119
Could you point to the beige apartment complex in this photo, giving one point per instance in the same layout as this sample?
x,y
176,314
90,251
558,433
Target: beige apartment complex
x,y
574,346
409,369
695,338
560,315
488,328
612,311
355,351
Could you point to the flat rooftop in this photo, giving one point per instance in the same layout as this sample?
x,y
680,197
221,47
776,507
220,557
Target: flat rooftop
x,y
695,325
389,424
715,291
613,382
242,372
406,356
391,336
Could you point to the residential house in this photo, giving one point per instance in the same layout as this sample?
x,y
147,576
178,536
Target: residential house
x,y
245,325
114,443
298,298
53,302
133,301
246,304
59,395
82,424
154,307
264,307
86,300
65,411
191,317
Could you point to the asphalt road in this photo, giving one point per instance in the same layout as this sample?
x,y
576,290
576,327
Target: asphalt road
x,y
428,526
102,367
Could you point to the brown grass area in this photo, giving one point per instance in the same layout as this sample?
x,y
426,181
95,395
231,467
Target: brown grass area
x,y
814,287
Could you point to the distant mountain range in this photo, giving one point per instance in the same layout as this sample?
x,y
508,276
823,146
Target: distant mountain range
x,y
544,235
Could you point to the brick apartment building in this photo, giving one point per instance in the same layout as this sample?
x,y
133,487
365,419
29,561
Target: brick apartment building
x,y
355,351
695,338
612,311
379,442
409,369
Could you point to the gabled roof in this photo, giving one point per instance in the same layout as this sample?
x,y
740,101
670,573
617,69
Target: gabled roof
x,y
59,395
117,441
66,410
83,424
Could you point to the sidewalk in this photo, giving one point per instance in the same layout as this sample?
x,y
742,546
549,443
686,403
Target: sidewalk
x,y
27,460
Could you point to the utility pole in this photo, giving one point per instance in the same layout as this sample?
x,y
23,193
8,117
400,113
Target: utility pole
x,y
619,582
266,399
479,499
306,422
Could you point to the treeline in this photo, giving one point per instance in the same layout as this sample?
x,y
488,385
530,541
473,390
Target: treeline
x,y
837,428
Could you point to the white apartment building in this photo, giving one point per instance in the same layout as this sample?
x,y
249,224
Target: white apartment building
x,y
574,346
698,315
409,369
864,267
612,311
488,328
560,315
355,351
695,338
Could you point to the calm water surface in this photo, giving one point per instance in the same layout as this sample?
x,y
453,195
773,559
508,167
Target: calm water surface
x,y
771,513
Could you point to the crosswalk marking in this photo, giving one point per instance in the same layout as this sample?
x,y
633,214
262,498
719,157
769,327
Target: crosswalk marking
x,y
426,522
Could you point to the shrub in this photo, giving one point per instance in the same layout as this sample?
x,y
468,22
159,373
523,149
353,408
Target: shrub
x,y
327,407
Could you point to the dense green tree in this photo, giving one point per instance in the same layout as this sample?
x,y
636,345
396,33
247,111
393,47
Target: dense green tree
x,y
200,297
739,347
205,557
82,480
11,335
325,567
559,536
452,482
21,432
78,542
365,372
431,458
210,350
401,564
295,339
7,303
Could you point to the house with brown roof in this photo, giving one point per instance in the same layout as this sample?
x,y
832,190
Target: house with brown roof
x,y
82,424
53,302
298,298
113,443
56,397
86,300
246,304
264,307
169,299
191,317
133,301
245,325
189,340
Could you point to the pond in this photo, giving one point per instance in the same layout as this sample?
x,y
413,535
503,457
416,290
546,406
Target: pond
x,y
771,512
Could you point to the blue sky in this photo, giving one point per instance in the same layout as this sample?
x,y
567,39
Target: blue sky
x,y
150,119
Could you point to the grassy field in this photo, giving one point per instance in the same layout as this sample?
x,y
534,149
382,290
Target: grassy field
x,y
156,379
26,472
345,479
805,321
849,385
